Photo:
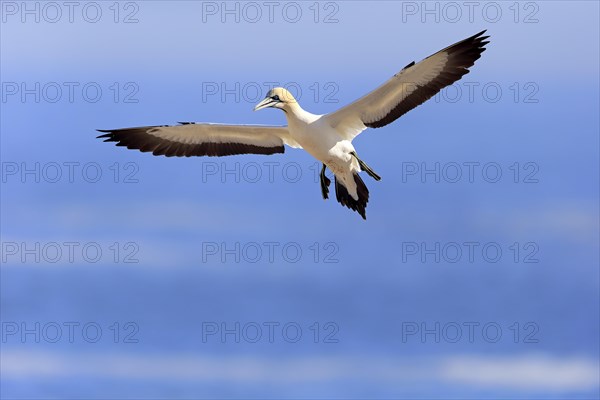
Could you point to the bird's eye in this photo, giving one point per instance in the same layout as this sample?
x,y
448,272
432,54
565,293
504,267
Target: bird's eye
x,y
276,98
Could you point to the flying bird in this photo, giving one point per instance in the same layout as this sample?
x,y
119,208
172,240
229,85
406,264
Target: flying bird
x,y
327,137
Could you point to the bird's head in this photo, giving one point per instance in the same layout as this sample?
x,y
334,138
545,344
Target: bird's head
x,y
277,97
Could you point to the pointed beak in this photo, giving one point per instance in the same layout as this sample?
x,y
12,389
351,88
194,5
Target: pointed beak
x,y
266,102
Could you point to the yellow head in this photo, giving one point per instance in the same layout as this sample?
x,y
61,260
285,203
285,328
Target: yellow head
x,y
278,98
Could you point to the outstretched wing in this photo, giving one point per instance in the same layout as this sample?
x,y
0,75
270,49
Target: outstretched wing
x,y
412,86
201,139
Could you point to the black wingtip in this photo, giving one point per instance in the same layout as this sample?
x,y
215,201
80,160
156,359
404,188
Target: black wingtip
x,y
477,37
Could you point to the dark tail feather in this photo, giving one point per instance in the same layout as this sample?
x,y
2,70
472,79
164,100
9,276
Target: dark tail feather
x,y
342,195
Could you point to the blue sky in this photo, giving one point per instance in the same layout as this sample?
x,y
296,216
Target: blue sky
x,y
185,243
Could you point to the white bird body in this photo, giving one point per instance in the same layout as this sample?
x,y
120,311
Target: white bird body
x,y
328,138
318,138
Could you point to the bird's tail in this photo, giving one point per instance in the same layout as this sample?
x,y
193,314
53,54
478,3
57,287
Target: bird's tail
x,y
342,195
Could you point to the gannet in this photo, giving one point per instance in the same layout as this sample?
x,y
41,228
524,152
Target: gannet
x,y
328,138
